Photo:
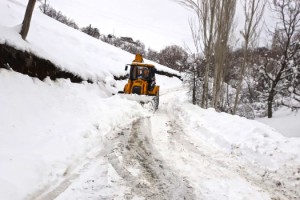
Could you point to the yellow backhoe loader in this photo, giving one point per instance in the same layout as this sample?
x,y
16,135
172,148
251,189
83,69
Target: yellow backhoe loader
x,y
141,85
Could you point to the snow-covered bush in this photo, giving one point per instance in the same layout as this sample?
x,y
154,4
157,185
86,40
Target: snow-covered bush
x,y
92,31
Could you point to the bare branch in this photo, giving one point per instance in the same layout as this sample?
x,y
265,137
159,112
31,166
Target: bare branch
x,y
292,107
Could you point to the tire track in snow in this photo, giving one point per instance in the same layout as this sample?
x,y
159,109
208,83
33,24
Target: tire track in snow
x,y
275,184
155,179
214,176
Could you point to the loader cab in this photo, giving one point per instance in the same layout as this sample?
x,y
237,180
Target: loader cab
x,y
144,72
139,72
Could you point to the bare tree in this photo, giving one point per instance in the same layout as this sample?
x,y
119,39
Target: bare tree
x,y
225,15
253,11
91,31
174,57
192,77
44,6
288,12
152,55
211,34
204,32
27,19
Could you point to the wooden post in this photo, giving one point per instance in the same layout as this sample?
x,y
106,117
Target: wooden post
x,y
27,19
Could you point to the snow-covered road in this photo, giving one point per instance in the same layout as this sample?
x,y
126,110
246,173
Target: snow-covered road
x,y
128,167
155,157
60,140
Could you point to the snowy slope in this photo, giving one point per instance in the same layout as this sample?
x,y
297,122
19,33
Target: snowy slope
x,y
70,50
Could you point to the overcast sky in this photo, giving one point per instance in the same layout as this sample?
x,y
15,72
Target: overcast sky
x,y
157,23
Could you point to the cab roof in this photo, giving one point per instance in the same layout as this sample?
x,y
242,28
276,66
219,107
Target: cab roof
x,y
139,61
141,64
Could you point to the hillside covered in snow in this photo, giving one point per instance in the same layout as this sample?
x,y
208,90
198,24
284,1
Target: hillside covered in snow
x,y
65,140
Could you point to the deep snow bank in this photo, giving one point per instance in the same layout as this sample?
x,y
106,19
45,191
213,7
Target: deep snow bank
x,y
254,141
46,127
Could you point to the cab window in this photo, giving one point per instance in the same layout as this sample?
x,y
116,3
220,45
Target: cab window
x,y
140,72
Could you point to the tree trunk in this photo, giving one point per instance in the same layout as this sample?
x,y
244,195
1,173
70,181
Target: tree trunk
x,y
205,87
225,15
27,19
270,102
252,19
45,7
194,88
240,81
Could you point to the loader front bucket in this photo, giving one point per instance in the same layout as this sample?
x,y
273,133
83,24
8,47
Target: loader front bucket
x,y
142,99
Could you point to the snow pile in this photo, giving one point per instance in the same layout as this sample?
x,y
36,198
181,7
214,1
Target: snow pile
x,y
70,49
47,127
253,150
254,141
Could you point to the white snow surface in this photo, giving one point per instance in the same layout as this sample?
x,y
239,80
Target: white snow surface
x,y
70,50
61,140
46,127
284,121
